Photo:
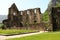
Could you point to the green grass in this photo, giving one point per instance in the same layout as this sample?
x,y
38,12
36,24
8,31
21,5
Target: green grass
x,y
1,24
43,36
13,31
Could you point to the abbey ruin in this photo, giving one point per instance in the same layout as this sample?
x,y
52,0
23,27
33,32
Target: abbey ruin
x,y
23,18
31,19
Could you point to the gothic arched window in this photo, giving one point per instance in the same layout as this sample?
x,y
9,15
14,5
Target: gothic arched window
x,y
35,11
21,12
28,12
14,13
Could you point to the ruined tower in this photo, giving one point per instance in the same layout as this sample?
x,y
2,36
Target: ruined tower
x,y
55,18
13,15
13,11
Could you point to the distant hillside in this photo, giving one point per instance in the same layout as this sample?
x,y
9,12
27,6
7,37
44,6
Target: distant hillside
x,y
2,17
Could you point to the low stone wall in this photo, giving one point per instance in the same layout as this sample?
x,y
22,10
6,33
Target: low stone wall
x,y
32,27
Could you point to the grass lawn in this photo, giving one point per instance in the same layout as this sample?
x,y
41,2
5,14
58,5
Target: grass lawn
x,y
1,24
13,31
43,36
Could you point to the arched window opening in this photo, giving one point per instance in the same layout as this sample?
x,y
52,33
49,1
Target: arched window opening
x,y
35,11
27,12
14,13
21,13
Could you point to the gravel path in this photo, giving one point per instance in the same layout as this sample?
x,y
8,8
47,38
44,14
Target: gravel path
x,y
18,36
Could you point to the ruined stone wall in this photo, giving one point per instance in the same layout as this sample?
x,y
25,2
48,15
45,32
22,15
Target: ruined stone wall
x,y
25,18
30,13
14,17
38,16
55,18
34,15
19,16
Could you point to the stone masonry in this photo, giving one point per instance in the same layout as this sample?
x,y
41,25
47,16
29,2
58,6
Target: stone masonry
x,y
55,18
23,18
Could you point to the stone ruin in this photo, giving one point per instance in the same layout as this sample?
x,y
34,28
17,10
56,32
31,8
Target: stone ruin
x,y
55,18
30,18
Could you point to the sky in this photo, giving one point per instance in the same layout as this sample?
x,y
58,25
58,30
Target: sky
x,y
23,5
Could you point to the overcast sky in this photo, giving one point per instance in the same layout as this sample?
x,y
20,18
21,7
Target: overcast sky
x,y
23,5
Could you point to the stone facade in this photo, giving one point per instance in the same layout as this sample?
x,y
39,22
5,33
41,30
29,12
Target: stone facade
x,y
55,18
23,18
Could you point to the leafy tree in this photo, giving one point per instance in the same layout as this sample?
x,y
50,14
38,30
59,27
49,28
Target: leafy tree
x,y
45,16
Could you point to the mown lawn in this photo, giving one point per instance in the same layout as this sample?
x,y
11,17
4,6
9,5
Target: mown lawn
x,y
43,36
1,25
15,31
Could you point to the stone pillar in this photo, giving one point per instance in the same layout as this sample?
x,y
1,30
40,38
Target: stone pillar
x,y
54,18
24,17
19,16
30,13
38,17
13,15
10,16
50,22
